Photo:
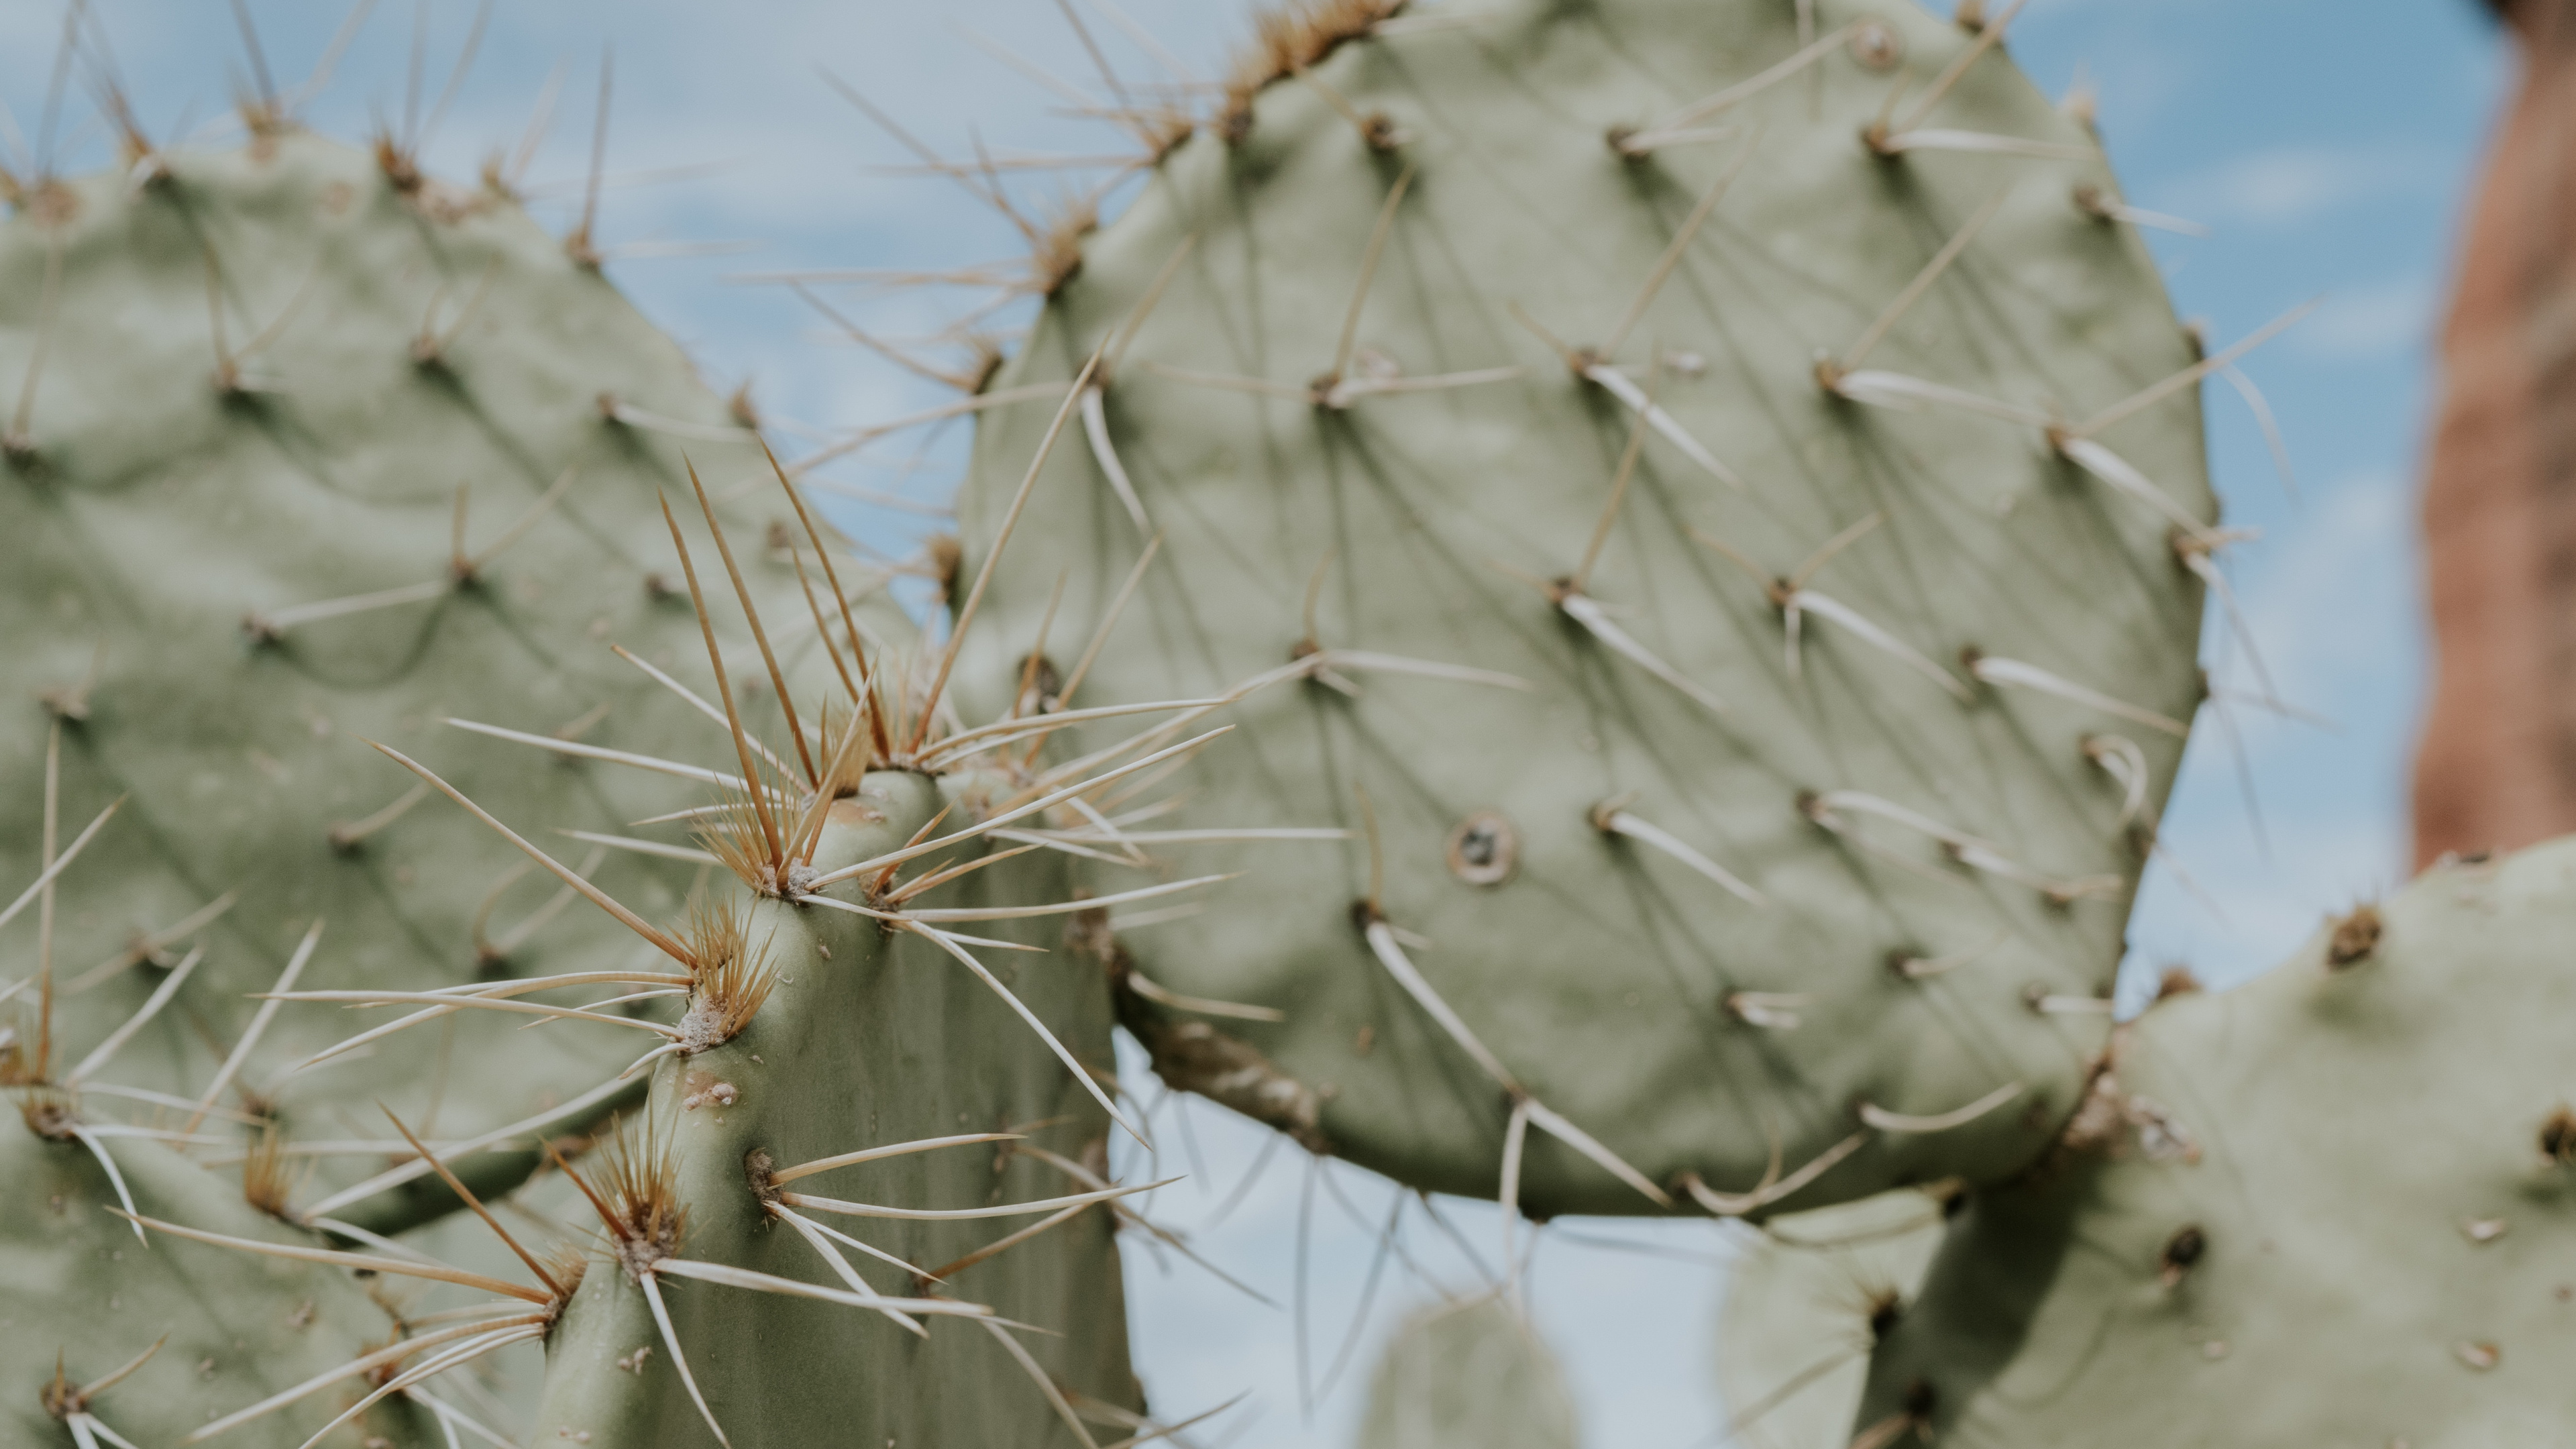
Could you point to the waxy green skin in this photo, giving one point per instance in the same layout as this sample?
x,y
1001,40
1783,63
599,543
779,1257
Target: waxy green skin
x,y
75,1282
1803,1305
1468,1374
871,1040
2377,1213
1600,971
157,510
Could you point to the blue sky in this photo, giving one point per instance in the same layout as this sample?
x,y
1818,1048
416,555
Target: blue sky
x,y
2327,143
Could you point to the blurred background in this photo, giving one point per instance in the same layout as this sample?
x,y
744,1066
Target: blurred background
x,y
2326,146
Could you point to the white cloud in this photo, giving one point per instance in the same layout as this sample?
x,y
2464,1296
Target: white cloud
x,y
2290,185
2371,323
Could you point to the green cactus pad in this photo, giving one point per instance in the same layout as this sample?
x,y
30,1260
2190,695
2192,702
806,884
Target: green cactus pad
x,y
1804,1306
1714,913
180,495
2333,1206
75,1282
870,1039
1467,1374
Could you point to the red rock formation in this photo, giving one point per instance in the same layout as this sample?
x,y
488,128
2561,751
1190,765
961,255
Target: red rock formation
x,y
2496,768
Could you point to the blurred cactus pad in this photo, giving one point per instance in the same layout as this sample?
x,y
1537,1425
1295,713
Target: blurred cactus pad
x,y
2351,1176
1709,497
305,447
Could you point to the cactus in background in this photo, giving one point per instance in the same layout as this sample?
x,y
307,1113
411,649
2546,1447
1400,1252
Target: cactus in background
x,y
1471,1373
2350,1175
1804,1306
1713,507
304,447
313,449
85,1298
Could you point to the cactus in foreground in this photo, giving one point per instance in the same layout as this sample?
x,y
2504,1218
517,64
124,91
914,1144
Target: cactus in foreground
x,y
304,447
1466,1374
1713,510
2349,1179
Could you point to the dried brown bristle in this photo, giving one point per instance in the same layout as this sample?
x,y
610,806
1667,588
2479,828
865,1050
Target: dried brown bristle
x,y
265,1182
2354,936
732,980
1284,41
1055,253
635,1189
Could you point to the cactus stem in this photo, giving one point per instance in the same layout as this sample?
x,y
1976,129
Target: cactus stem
x,y
1899,1122
953,946
345,837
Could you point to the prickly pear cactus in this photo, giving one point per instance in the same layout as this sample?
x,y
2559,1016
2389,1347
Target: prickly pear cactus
x,y
303,448
868,1040
1710,504
2351,1175
1466,1374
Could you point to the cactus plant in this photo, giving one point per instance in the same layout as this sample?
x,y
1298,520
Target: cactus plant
x,y
85,1299
1485,386
2349,1175
241,547
304,447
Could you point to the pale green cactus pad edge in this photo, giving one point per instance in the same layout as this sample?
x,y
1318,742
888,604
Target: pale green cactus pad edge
x,y
1615,981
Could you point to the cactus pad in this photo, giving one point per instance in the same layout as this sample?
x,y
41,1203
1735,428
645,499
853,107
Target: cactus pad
x,y
1708,484
2349,1175
304,448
